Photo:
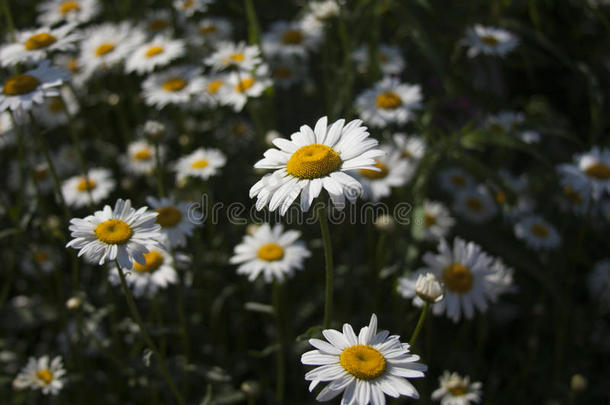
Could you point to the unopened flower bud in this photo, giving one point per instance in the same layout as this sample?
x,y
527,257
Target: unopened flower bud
x,y
154,130
74,303
385,223
428,288
578,383
251,388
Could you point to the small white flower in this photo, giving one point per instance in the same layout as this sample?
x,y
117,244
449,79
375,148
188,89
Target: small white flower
x,y
202,163
174,220
159,22
323,10
389,59
42,374
457,390
240,56
40,258
209,31
392,171
141,157
242,86
454,180
505,121
54,111
437,220
428,288
537,233
80,192
178,85
591,169
389,102
285,71
188,8
489,41
475,205
159,51
598,282
289,38
72,11
411,147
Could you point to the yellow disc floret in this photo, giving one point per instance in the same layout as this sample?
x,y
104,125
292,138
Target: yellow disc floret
x,y
154,50
45,375
457,390
375,174
270,252
292,37
244,85
539,230
153,260
168,216
598,171
174,84
489,40
214,86
158,24
388,100
363,362
20,84
313,161
142,155
39,41
68,6
104,49
200,164
474,204
113,232
458,278
86,185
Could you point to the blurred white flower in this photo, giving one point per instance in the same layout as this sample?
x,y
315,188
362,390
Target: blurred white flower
x,y
457,390
389,102
489,41
537,233
42,374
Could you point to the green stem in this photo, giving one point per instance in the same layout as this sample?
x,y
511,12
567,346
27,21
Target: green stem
x,y
253,28
10,26
420,323
159,171
136,315
328,260
281,353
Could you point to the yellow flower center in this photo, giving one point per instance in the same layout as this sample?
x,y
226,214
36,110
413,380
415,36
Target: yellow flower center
x,y
373,174
363,362
489,40
388,100
39,41
270,252
474,204
174,84
45,375
458,390
282,73
188,4
104,49
41,257
598,171
200,164
20,84
292,37
429,219
244,85
153,260
501,197
68,6
236,57
214,86
208,29
86,185
72,65
458,180
539,230
458,278
55,105
240,129
158,24
142,155
113,232
313,161
572,195
168,216
40,174
154,50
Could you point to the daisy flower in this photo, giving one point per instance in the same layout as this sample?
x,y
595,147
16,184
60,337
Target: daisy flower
x,y
122,234
80,192
411,147
159,22
32,46
188,8
437,220
489,41
454,180
201,163
140,157
209,31
392,171
23,91
288,38
214,88
42,258
406,287
323,10
364,367
159,51
285,71
271,252
475,205
598,282
591,169
574,200
389,58
158,272
231,55
389,102
456,390
174,220
530,136
312,160
52,113
42,374
177,85
243,85
505,121
76,11
502,278
537,233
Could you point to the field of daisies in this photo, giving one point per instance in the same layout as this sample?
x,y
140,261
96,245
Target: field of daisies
x,y
299,201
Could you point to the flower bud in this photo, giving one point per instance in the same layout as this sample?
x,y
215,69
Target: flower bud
x,y
385,223
428,288
154,130
74,303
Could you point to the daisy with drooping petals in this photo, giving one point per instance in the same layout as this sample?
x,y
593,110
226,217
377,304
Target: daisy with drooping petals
x,y
72,11
364,367
231,55
591,169
312,160
243,85
32,46
537,233
25,90
177,85
121,234
188,8
80,192
489,41
475,205
141,157
389,102
393,171
42,374
271,252
389,58
159,51
201,163
456,390
437,220
174,220
289,38
598,282
209,31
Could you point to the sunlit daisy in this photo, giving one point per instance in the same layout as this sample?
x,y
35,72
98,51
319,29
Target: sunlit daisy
x,y
457,390
389,102
475,205
240,56
598,282
489,41
364,367
242,86
80,192
454,180
188,8
437,220
32,46
537,233
23,91
73,11
289,38
590,169
214,88
42,374
210,31
177,85
389,59
271,252
202,163
392,171
159,51
141,157
411,147
52,113
174,220
121,234
312,160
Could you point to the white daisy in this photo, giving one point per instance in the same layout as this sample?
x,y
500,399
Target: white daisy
x,y
52,113
72,11
406,286
214,89
574,200
389,102
437,220
455,179
177,85
25,90
364,367
598,282
324,9
159,22
174,220
158,272
289,38
271,252
475,205
32,46
411,147
242,86
591,169
392,171
489,41
537,233
202,163
209,31
7,135
285,71
530,136
240,56
502,278
42,374
40,258
80,192
159,51
141,157
122,234
312,160
457,390
73,64
188,8
389,58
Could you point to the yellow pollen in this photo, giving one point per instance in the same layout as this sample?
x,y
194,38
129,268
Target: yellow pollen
x,y
244,85
86,185
20,84
41,257
174,84
168,216
200,164
458,390
45,375
572,195
458,278
143,154
214,86
188,4
373,174
270,252
153,50
474,204
113,232
154,260
313,161
282,73
40,174
208,29
598,171
489,40
292,37
39,41
363,362
429,219
388,100
539,230
72,65
68,6
104,49
405,154
55,105
237,57
158,25
501,197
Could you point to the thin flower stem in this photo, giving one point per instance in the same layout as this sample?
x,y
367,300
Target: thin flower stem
x,y
281,352
328,259
10,26
159,171
420,323
136,315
